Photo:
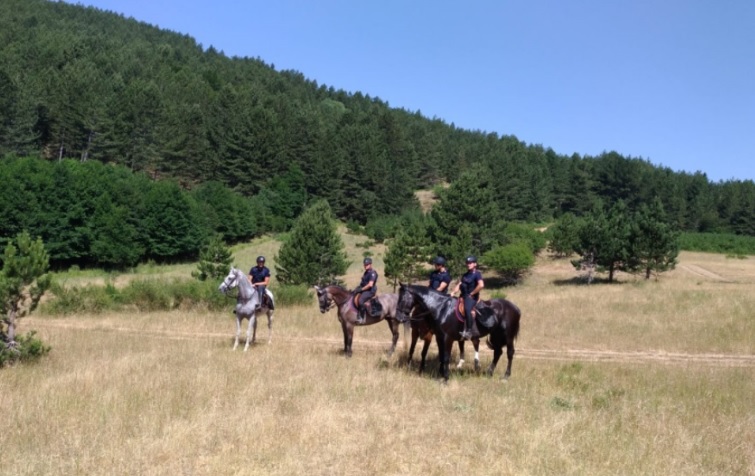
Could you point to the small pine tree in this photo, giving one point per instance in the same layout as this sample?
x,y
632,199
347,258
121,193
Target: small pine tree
x,y
214,260
23,282
564,236
314,252
656,243
407,255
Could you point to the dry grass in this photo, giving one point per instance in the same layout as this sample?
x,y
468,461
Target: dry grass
x,y
630,378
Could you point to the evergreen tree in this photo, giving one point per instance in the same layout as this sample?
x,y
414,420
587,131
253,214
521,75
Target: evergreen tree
x,y
606,238
23,282
214,260
564,235
469,201
116,242
313,254
173,227
656,243
407,255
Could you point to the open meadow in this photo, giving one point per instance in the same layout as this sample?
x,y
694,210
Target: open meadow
x,y
637,377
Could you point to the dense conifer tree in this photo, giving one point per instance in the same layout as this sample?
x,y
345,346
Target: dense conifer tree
x,y
313,253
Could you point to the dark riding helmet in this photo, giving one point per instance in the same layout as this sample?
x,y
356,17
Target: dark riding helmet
x,y
439,260
367,260
471,259
260,259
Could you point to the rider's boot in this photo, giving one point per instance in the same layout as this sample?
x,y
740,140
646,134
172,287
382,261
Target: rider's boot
x,y
362,314
470,330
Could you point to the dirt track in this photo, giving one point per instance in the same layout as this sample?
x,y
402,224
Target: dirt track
x,y
702,272
564,355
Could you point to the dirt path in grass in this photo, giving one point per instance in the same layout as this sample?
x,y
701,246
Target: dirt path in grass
x,y
561,355
700,271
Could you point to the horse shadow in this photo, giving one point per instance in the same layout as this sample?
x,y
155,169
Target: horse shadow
x,y
432,366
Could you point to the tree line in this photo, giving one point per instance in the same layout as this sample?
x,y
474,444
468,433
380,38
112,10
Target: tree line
x,y
92,214
87,85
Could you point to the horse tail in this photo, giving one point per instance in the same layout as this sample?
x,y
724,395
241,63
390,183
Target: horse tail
x,y
513,328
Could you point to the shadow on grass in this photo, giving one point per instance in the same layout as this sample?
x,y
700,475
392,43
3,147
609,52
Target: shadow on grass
x,y
582,281
432,366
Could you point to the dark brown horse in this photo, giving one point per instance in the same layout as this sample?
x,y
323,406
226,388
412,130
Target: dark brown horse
x,y
338,297
422,327
497,318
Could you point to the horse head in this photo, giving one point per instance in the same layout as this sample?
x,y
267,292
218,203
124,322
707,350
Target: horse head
x,y
405,303
324,299
231,281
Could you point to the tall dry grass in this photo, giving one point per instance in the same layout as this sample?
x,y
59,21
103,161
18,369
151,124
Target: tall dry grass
x,y
631,378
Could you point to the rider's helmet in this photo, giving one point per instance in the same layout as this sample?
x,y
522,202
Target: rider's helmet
x,y
471,259
260,259
439,260
367,260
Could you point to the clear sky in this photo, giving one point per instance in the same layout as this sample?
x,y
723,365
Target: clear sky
x,y
670,81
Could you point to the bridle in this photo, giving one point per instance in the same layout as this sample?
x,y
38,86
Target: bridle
x,y
329,302
228,286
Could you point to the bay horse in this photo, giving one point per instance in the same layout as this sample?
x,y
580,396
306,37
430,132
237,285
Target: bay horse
x,y
246,306
497,318
336,296
422,328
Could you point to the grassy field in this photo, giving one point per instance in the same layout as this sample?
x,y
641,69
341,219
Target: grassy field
x,y
639,377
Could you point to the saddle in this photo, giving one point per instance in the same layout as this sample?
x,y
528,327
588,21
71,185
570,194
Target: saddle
x,y
484,315
372,304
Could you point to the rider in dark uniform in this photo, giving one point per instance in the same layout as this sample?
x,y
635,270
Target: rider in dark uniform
x,y
470,286
367,287
440,279
260,277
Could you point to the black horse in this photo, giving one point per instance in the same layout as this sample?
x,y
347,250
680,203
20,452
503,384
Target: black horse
x,y
422,326
497,318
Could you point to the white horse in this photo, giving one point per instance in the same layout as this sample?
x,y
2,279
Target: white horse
x,y
246,306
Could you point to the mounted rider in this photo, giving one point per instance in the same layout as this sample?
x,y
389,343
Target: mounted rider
x,y
367,288
470,285
260,277
440,279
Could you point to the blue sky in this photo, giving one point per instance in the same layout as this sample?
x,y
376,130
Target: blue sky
x,y
671,81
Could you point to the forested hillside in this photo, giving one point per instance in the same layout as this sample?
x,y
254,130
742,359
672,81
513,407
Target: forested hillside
x,y
79,83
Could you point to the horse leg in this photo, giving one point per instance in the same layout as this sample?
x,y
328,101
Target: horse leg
x,y
270,313
238,331
440,338
426,345
449,345
461,355
497,344
510,356
348,336
415,337
252,327
476,344
393,326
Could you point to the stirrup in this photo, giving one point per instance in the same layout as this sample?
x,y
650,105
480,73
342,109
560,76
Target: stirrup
x,y
361,317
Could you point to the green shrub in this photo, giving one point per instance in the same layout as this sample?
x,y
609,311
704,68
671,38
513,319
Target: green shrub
x,y
725,243
510,261
145,295
293,295
519,232
28,348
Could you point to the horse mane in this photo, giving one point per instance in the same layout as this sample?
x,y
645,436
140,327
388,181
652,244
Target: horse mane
x,y
338,292
244,282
